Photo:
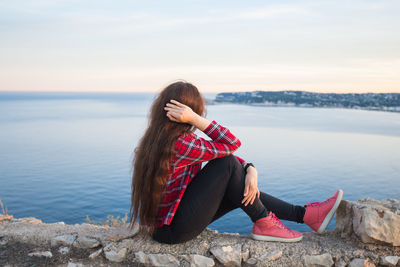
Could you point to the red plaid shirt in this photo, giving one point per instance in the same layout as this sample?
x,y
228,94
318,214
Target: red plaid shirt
x,y
190,151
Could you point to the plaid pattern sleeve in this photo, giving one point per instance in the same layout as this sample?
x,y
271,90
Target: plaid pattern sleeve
x,y
190,151
193,149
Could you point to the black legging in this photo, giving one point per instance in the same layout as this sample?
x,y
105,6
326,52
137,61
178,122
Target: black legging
x,y
216,190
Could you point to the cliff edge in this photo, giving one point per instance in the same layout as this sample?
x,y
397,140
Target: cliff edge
x,y
367,234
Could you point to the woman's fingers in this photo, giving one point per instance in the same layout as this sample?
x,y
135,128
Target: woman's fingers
x,y
177,103
171,117
176,108
250,195
173,106
247,199
246,191
250,199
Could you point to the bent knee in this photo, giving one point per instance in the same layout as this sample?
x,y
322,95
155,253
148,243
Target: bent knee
x,y
229,160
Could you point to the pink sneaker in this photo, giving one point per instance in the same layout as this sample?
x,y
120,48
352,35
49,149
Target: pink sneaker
x,y
319,214
270,228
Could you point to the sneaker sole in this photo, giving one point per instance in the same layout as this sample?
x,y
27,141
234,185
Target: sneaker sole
x,y
329,217
276,239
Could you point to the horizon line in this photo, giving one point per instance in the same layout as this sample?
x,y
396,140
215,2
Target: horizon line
x,y
205,92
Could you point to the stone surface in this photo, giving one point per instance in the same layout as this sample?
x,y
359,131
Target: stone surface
x,y
25,236
389,260
323,260
373,221
251,261
96,253
115,252
31,220
157,260
274,255
196,260
63,250
228,255
361,263
3,241
86,242
75,264
340,263
46,254
65,240
245,255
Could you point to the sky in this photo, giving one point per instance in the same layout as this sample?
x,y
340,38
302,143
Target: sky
x,y
219,46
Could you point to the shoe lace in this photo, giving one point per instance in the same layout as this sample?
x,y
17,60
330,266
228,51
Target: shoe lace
x,y
278,222
315,204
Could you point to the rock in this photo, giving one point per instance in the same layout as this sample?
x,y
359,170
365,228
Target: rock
x,y
358,253
157,259
46,254
318,260
196,260
373,221
361,263
116,256
65,240
274,255
141,257
3,241
59,223
340,263
204,244
31,220
75,264
86,242
228,255
96,253
251,261
389,260
114,252
245,255
117,251
126,233
63,250
4,217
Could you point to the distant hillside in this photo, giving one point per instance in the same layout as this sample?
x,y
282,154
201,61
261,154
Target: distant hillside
x,y
370,101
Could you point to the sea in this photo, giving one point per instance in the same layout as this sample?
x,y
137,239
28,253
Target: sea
x,y
65,156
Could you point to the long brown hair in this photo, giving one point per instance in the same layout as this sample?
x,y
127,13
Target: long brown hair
x,y
153,155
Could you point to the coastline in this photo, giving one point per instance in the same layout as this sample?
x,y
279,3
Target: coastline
x,y
303,106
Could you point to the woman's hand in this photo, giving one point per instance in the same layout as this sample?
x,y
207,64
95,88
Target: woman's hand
x,y
250,189
181,113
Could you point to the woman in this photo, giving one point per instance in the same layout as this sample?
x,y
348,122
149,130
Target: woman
x,y
174,198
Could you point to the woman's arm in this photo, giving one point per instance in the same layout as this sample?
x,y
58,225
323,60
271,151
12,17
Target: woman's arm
x,y
197,150
192,149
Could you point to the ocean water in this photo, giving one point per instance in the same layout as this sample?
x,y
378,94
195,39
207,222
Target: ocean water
x,y
67,155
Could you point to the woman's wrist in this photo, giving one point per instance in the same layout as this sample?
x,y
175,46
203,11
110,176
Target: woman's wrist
x,y
248,165
249,168
199,122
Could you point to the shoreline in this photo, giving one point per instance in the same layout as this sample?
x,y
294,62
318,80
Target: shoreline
x,y
300,106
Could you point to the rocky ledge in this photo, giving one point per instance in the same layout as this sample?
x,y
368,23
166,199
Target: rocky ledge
x,y
367,234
